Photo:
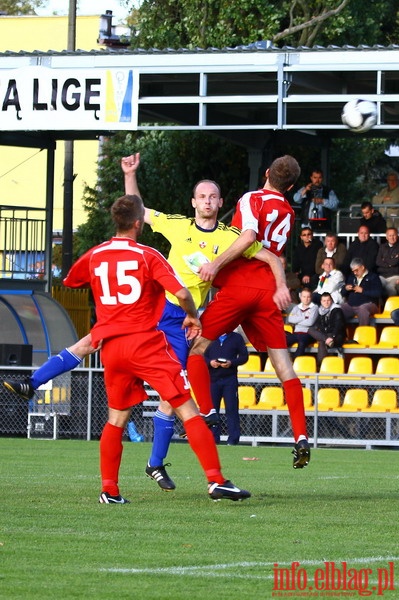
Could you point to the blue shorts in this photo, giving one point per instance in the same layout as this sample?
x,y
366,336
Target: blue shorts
x,y
171,324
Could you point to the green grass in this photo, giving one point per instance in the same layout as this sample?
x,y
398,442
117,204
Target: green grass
x,y
56,541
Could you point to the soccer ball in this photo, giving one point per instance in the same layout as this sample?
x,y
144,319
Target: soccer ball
x,y
359,115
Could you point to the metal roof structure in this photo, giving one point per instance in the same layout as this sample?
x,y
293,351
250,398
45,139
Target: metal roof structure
x,y
256,95
253,91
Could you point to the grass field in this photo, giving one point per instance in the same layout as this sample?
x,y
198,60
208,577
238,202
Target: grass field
x,y
56,541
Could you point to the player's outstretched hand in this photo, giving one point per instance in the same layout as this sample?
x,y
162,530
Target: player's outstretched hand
x,y
282,297
193,327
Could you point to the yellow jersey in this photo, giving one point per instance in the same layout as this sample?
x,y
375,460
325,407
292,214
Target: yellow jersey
x,y
192,246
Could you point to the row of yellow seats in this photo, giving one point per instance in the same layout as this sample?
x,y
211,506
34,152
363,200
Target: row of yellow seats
x,y
365,336
328,399
358,368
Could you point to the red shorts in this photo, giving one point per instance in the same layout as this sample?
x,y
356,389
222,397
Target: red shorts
x,y
129,360
253,309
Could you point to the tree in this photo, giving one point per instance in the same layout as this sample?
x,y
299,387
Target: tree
x,y
222,23
172,162
20,7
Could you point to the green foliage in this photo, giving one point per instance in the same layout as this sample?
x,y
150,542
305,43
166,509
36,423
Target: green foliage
x,y
171,163
21,7
222,23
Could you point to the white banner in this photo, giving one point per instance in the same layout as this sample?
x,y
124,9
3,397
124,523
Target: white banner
x,y
40,98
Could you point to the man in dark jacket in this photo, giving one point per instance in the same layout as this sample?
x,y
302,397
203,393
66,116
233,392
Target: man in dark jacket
x,y
223,357
329,328
362,292
372,218
304,258
387,262
363,247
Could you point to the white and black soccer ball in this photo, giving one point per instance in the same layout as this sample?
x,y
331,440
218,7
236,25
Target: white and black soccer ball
x,y
359,115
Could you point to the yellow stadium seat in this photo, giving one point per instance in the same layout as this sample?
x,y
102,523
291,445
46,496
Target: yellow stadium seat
x,y
365,336
359,368
391,303
355,399
360,365
305,364
384,401
288,328
246,397
327,399
388,366
307,400
253,364
271,397
331,366
389,337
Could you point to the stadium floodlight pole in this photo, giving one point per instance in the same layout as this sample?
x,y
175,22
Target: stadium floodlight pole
x,y
67,242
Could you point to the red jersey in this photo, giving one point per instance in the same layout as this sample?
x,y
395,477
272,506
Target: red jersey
x,y
128,281
271,216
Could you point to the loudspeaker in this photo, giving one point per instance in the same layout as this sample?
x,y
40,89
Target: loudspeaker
x,y
19,355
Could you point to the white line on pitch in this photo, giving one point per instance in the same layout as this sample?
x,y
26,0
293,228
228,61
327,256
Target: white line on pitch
x,y
209,569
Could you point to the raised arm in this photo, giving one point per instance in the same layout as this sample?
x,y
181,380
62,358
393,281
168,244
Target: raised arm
x,y
129,165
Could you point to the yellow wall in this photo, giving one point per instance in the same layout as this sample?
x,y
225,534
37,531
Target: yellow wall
x,y
23,170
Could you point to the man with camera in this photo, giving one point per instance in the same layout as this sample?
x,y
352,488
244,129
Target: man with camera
x,y
317,202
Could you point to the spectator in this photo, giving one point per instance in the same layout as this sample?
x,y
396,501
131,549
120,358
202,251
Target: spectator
x,y
389,195
302,316
372,218
332,248
304,259
330,281
387,262
363,247
361,293
329,329
223,357
317,201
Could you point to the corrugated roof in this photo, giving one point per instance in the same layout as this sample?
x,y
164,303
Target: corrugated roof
x,y
261,47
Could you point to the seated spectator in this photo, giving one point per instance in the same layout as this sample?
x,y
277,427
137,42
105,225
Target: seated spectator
x,y
329,329
372,218
330,281
361,292
304,257
387,263
302,317
363,247
318,202
389,195
293,282
332,248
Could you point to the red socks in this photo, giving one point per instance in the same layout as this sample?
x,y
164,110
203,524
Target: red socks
x,y
200,381
110,458
294,399
202,443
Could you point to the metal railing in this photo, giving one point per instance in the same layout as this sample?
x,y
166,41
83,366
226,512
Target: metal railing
x,y
22,242
74,406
